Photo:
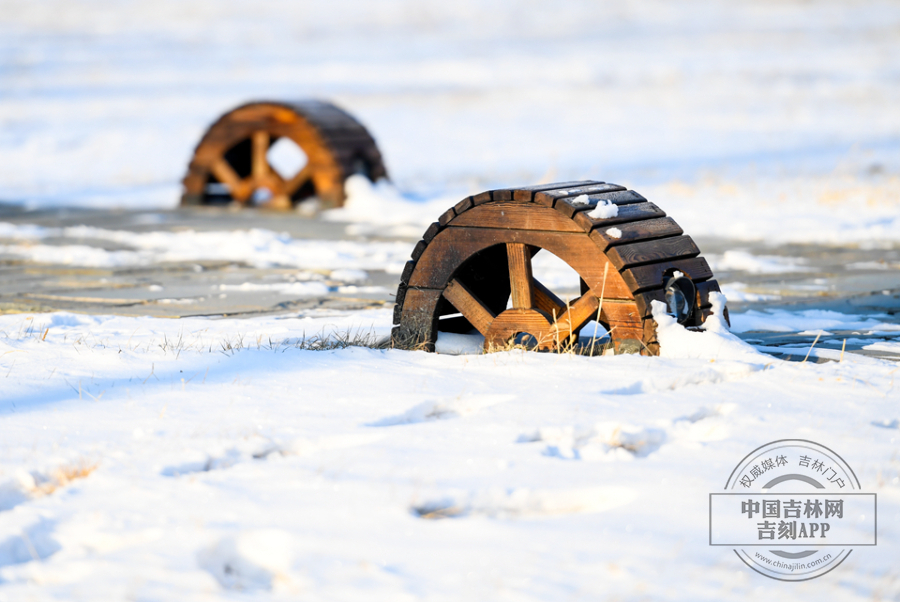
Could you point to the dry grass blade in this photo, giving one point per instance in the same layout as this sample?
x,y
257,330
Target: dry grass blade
x,y
813,345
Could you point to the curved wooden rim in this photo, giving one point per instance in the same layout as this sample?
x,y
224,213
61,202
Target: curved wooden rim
x,y
333,141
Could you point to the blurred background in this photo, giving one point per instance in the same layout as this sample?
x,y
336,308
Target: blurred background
x,y
102,101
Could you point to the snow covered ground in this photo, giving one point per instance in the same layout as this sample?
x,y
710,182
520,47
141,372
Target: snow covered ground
x,y
225,463
222,459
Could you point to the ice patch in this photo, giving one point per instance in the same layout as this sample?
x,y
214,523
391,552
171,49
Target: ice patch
x,y
252,560
889,346
807,320
298,289
742,261
872,265
256,247
737,292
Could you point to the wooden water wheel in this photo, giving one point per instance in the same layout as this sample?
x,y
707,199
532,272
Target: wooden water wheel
x,y
472,270
232,162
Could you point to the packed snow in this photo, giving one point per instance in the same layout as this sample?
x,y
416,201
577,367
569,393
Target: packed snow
x,y
604,210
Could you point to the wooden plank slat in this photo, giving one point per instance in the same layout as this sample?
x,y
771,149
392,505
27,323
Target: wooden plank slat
x,y
468,305
514,215
448,215
519,275
551,197
463,205
631,232
648,277
431,232
567,207
407,272
401,295
482,198
639,253
526,193
418,250
626,213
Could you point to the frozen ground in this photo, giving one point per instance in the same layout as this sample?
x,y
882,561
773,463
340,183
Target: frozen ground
x,y
221,459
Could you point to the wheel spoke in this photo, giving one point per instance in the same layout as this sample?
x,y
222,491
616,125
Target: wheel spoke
x,y
577,315
546,300
226,175
301,178
260,164
469,306
520,277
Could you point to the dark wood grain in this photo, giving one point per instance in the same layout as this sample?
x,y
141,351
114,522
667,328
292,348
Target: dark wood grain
x,y
521,216
463,205
431,232
648,277
642,230
569,208
550,197
448,215
469,306
639,253
626,213
526,193
520,277
418,250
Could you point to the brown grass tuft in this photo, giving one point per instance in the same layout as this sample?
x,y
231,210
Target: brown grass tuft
x,y
64,475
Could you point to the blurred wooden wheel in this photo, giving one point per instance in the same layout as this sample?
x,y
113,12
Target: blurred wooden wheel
x,y
237,158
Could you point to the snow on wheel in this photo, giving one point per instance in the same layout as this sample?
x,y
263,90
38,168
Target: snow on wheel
x,y
472,271
277,154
